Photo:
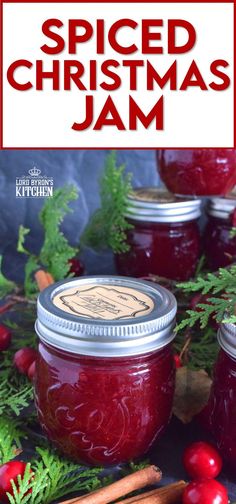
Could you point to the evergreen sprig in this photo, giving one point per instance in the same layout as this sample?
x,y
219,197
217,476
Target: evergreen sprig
x,y
15,397
56,251
10,438
16,392
50,477
108,226
202,349
221,307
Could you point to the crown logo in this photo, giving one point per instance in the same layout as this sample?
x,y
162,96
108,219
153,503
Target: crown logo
x,y
34,172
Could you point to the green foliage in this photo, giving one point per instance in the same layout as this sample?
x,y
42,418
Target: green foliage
x,y
108,226
23,335
222,307
10,438
16,391
23,232
15,397
200,266
53,477
139,465
22,492
6,286
55,252
31,267
202,351
232,233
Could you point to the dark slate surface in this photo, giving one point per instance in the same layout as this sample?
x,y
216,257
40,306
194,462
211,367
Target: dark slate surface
x,y
167,454
82,168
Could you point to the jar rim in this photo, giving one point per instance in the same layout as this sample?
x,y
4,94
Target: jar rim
x,y
153,204
226,336
222,207
145,320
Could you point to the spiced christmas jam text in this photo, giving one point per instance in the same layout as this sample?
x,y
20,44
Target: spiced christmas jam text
x,y
94,75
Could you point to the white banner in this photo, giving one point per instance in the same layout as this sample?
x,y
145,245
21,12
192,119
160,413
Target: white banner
x,y
148,75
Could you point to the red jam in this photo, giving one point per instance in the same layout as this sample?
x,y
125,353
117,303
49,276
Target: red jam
x,y
163,249
198,171
220,413
164,238
219,246
102,410
105,374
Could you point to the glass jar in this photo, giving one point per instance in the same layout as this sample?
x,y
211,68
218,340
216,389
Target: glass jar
x,y
198,171
219,416
105,374
165,239
219,246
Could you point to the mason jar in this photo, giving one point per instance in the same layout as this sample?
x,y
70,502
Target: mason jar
x,y
164,239
202,172
219,245
219,416
105,374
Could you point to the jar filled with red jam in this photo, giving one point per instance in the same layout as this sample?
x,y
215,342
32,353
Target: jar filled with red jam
x,y
219,244
219,416
164,239
203,172
105,374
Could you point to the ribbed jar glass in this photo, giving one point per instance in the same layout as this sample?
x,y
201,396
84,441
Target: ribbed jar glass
x,y
164,239
219,416
219,244
105,374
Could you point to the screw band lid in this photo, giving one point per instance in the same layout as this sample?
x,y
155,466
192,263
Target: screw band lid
x,y
158,205
106,316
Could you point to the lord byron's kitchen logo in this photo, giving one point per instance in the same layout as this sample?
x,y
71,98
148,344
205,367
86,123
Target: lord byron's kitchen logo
x,y
34,185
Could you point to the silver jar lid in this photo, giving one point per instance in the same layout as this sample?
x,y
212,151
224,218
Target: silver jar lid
x,y
222,207
106,316
158,205
227,338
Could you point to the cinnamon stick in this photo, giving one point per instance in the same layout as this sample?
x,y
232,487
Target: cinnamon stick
x,y
71,501
43,279
124,486
169,494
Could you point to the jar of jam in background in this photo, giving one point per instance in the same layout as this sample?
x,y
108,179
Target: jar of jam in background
x,y
105,374
165,239
203,172
219,416
219,245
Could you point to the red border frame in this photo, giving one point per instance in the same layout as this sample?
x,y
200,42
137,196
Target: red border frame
x,y
105,1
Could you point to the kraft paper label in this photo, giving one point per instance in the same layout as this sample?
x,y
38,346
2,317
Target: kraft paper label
x,y
152,194
104,302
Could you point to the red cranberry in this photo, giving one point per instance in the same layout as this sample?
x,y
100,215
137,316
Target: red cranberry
x,y
9,471
177,359
77,267
23,358
202,461
5,338
205,492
